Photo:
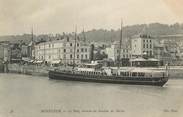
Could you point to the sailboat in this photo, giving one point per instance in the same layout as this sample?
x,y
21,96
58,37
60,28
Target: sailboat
x,y
95,72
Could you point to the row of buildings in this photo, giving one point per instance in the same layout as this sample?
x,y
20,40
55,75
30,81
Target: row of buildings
x,y
69,50
166,50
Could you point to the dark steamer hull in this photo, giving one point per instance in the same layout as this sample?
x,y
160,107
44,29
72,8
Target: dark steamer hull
x,y
107,79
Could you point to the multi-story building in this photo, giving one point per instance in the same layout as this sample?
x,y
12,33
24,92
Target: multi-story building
x,y
5,51
159,51
24,50
62,51
114,50
142,45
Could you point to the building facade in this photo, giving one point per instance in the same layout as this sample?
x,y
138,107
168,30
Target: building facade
x,y
62,51
24,51
5,51
142,45
113,51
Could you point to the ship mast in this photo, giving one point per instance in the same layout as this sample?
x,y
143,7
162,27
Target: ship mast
x,y
121,36
75,38
32,46
84,36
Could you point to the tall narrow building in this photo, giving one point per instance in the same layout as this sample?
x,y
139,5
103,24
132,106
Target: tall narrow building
x,y
142,45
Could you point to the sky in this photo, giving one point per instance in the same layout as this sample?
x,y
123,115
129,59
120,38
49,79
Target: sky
x,y
57,16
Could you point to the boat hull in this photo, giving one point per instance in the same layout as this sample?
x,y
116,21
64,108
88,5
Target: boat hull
x,y
160,81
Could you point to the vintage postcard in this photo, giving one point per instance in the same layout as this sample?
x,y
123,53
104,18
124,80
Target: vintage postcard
x,y
91,58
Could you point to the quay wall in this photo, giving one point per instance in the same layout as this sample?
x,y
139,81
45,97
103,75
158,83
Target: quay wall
x,y
28,69
1,67
176,72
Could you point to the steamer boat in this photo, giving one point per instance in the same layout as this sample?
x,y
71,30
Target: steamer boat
x,y
94,72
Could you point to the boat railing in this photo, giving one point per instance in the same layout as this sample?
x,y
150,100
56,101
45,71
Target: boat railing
x,y
141,74
91,73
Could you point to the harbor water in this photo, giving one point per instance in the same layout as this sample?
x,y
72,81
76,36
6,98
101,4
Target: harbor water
x,y
33,96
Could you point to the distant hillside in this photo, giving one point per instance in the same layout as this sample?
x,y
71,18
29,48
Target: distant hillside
x,y
102,35
154,29
16,38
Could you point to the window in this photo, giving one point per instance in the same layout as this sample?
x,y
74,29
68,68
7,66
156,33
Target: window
x,y
150,46
64,50
70,56
70,44
127,73
77,50
134,74
52,45
81,56
49,45
147,45
67,39
78,56
64,56
141,74
118,51
86,57
78,44
150,53
82,49
144,46
85,49
122,74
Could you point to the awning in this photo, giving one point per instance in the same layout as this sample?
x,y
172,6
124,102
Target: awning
x,y
153,59
38,61
55,61
138,59
27,59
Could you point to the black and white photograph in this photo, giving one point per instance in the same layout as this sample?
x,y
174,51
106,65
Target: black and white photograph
x,y
91,58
